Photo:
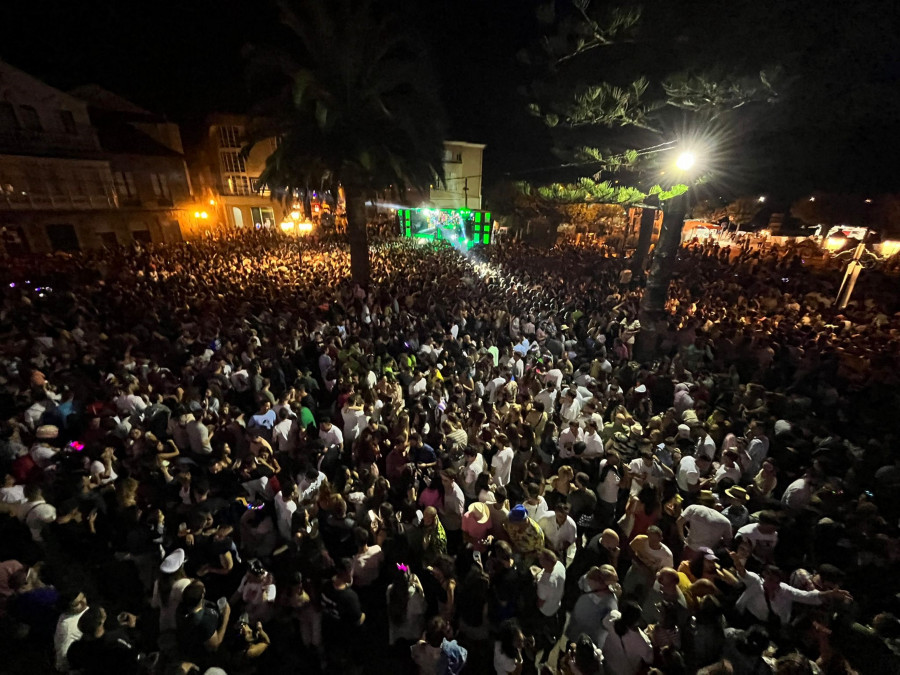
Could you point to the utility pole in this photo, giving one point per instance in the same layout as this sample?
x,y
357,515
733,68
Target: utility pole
x,y
466,191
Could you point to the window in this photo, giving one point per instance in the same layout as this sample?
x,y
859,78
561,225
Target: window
x,y
57,182
108,239
160,185
30,118
238,185
125,184
233,162
451,156
62,237
262,216
238,216
8,119
257,187
13,240
68,121
230,137
95,183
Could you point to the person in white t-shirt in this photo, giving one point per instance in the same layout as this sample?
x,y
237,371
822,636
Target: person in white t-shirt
x,y
559,529
729,469
285,507
551,583
692,472
650,556
102,471
567,440
707,527
647,470
764,535
501,464
472,469
330,434
67,632
593,442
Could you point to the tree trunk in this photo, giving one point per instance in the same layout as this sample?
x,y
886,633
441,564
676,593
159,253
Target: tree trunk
x,y
357,234
653,303
648,216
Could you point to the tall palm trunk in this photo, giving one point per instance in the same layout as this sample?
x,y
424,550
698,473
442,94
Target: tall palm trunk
x,y
653,303
645,234
357,234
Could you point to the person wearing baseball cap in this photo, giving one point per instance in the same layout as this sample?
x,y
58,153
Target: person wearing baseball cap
x,y
525,536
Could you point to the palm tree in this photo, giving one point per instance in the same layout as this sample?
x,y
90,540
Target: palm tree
x,y
355,106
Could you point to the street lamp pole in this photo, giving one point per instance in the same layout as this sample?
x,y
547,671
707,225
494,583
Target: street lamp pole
x,y
852,274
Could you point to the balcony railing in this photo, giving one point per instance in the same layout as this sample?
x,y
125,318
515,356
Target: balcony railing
x,y
34,201
25,140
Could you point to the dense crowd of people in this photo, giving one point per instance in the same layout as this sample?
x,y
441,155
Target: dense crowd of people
x,y
223,456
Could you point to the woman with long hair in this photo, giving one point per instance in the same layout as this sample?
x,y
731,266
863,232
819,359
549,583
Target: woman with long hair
x,y
581,658
608,489
405,607
645,510
508,657
484,487
433,495
560,486
444,574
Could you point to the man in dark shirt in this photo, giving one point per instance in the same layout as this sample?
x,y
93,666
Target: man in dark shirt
x,y
200,624
99,651
421,453
342,617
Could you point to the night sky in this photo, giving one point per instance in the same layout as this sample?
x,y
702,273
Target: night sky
x,y
834,126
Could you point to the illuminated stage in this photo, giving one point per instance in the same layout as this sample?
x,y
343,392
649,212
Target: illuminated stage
x,y
460,227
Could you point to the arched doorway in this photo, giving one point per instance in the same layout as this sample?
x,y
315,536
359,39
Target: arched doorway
x,y
238,216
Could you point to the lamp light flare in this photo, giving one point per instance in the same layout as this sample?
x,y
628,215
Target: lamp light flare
x,y
762,199
685,161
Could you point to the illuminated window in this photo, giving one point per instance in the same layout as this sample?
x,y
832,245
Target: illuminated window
x,y
262,216
238,185
230,137
233,162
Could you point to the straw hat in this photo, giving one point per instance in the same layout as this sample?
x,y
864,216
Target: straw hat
x,y
737,492
480,511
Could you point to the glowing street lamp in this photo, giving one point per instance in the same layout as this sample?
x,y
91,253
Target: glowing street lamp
x,y
686,161
762,199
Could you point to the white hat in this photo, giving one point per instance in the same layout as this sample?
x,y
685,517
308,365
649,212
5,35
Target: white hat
x,y
684,431
640,389
172,562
